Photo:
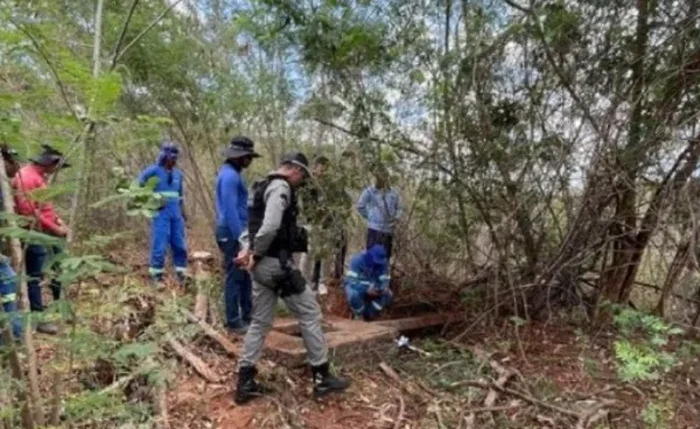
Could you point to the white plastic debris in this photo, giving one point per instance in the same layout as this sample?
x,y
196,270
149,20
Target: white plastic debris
x,y
404,343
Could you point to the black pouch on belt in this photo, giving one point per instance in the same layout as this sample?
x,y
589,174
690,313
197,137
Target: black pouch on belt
x,y
290,281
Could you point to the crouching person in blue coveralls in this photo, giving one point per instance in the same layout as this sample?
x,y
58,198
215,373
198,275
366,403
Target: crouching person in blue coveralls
x,y
367,283
168,225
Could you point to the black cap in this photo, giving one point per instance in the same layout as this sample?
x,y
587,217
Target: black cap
x,y
296,158
49,156
239,147
9,154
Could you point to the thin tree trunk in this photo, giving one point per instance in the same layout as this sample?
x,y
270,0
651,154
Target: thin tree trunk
x,y
677,266
674,180
83,165
36,416
90,127
628,161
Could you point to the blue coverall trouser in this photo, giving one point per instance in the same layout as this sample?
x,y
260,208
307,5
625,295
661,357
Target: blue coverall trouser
x,y
361,306
168,230
8,296
238,287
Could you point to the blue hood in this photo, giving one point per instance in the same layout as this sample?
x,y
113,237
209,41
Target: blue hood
x,y
168,150
376,257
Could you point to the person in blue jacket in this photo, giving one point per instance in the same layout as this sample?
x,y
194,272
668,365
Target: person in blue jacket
x,y
380,207
232,220
168,224
367,283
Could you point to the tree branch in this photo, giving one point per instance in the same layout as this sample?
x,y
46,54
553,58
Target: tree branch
x,y
118,45
138,37
54,72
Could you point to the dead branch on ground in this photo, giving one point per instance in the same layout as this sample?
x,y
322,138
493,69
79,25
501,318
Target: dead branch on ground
x,y
197,363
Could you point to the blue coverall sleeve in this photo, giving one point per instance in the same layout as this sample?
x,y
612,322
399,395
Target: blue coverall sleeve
x,y
229,186
384,279
353,275
146,174
363,202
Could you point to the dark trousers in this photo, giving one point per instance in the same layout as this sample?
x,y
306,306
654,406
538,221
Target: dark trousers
x,y
340,253
35,259
338,262
378,237
237,285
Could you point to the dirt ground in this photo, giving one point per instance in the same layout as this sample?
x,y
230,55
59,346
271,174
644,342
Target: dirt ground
x,y
556,365
558,372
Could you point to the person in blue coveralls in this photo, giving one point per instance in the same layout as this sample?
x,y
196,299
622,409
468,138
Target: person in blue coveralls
x,y
8,278
232,220
367,283
168,225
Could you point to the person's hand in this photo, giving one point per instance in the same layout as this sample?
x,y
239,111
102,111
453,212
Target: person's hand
x,y
242,258
245,259
373,293
62,231
251,264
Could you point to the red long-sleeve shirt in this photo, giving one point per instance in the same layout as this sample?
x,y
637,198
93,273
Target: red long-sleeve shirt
x,y
28,179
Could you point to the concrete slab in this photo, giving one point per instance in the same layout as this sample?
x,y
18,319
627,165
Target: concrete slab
x,y
345,337
284,342
420,322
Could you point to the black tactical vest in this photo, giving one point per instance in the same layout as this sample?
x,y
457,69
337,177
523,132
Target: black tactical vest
x,y
288,236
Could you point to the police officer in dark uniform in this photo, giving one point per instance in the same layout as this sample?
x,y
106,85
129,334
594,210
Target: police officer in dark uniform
x,y
272,237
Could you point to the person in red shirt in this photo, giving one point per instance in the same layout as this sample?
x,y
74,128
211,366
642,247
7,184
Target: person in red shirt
x,y
43,218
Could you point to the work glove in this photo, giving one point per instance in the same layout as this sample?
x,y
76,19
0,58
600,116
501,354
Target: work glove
x,y
373,292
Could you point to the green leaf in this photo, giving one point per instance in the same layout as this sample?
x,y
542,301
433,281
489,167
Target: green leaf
x,y
29,236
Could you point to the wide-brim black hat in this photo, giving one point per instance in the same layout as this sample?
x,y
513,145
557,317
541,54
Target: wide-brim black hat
x,y
49,157
297,159
240,147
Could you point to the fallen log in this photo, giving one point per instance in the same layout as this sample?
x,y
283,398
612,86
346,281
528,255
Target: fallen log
x,y
225,343
197,363
215,335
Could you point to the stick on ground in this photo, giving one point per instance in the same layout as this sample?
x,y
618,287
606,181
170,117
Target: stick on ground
x,y
197,363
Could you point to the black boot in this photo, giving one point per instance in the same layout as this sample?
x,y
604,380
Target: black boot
x,y
325,383
247,389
